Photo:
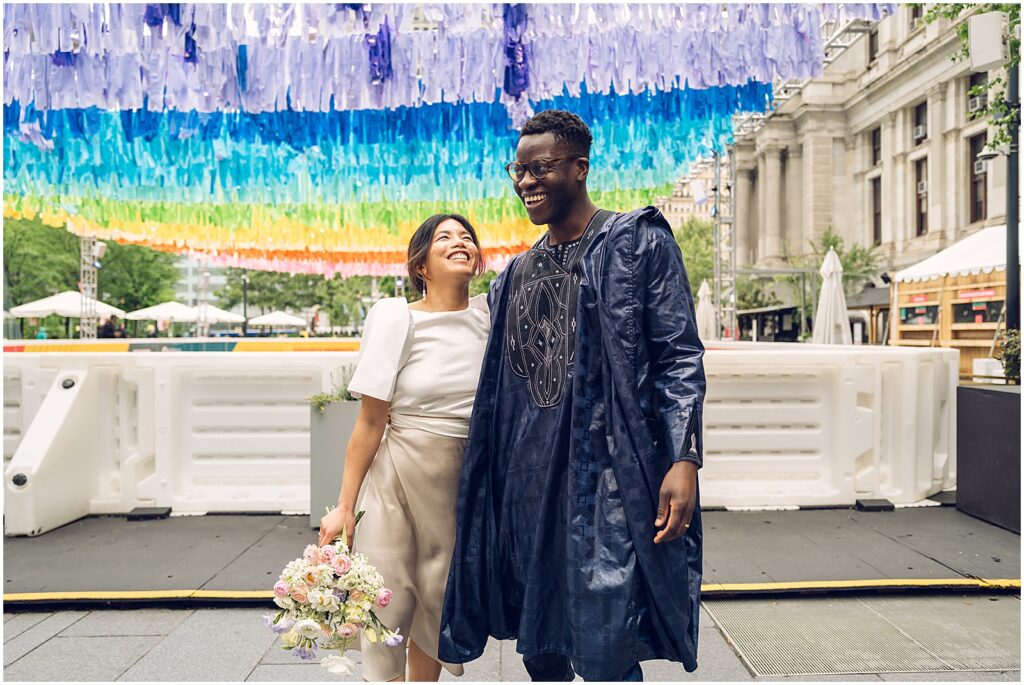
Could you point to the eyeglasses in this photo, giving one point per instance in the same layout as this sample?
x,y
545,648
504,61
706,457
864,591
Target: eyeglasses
x,y
538,168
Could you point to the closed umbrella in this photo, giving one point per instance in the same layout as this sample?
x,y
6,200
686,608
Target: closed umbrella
x,y
831,322
67,304
707,326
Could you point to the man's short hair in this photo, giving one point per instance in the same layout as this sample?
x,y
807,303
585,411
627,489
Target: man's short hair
x,y
567,128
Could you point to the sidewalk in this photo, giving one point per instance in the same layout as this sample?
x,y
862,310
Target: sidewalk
x,y
231,644
805,595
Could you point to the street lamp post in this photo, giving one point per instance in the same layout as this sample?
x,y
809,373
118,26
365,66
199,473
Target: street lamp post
x,y
1012,207
245,303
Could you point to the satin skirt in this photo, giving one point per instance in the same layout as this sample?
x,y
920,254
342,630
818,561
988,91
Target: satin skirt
x,y
408,533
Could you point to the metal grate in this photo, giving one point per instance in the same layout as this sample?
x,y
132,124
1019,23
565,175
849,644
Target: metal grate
x,y
848,635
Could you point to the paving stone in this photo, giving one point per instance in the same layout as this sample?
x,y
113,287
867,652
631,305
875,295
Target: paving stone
x,y
129,622
80,658
302,673
20,645
20,622
211,644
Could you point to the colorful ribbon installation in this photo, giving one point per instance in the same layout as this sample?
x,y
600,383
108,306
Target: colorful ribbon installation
x,y
315,138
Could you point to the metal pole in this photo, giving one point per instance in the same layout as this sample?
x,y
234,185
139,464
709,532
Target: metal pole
x,y
245,303
1012,208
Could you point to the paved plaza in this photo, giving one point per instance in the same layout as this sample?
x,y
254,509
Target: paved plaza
x,y
231,644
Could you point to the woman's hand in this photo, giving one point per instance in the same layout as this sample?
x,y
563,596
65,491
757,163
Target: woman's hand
x,y
333,523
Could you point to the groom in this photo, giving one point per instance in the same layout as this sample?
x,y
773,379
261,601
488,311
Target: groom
x,y
578,530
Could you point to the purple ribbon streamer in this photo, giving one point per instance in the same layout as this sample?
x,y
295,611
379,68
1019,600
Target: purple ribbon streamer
x,y
517,63
379,47
63,59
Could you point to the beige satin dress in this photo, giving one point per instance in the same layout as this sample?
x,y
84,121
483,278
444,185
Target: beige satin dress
x,y
427,365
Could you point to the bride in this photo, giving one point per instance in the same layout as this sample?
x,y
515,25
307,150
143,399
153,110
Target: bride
x,y
417,376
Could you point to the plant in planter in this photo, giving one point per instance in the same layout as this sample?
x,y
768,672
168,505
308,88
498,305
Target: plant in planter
x,y
338,393
1011,355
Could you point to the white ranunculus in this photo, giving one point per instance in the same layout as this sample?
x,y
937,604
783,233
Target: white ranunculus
x,y
338,665
307,627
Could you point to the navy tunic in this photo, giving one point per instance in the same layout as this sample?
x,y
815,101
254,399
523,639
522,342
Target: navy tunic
x,y
559,488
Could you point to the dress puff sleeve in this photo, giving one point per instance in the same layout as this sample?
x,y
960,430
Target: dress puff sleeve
x,y
383,350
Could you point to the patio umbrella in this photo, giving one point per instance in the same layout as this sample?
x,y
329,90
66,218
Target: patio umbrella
x,y
165,311
67,303
277,318
217,315
707,326
831,322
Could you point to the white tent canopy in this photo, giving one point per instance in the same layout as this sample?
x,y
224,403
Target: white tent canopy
x,y
707,324
831,320
981,252
217,315
277,318
165,311
67,303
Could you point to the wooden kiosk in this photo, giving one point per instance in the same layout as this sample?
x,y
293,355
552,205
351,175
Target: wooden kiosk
x,y
954,299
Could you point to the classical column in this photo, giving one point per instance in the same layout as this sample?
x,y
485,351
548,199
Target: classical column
x,y
760,225
744,220
938,199
888,182
794,199
772,203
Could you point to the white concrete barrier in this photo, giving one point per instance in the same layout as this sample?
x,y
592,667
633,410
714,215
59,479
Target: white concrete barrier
x,y
197,432
784,424
814,425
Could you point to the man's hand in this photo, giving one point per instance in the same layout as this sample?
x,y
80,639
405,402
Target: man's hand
x,y
676,501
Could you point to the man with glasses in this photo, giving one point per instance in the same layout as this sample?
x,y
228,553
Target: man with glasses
x,y
578,530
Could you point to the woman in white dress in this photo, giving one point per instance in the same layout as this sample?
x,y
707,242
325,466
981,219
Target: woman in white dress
x,y
417,376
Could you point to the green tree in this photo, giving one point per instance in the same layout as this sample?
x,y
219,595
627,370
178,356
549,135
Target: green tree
x,y
696,241
133,277
999,112
39,261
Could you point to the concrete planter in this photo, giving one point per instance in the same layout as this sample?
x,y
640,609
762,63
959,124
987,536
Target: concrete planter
x,y
329,431
988,454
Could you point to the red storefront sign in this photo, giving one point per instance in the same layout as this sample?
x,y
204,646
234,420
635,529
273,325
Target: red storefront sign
x,y
976,294
914,299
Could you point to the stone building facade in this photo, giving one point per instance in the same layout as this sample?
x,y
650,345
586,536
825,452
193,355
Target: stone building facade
x,y
881,147
682,203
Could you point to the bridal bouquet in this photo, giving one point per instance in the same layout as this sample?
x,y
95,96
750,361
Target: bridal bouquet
x,y
326,598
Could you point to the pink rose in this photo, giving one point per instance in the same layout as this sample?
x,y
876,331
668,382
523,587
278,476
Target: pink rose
x,y
383,597
328,554
311,554
299,593
280,589
347,630
342,564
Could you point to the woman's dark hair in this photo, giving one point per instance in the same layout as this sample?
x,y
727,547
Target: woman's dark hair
x,y
423,238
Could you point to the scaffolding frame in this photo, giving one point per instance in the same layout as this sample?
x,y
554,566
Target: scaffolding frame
x,y
88,285
725,247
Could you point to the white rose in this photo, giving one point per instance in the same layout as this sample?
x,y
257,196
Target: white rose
x,y
307,627
284,602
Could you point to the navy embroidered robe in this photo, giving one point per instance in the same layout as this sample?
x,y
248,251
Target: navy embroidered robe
x,y
555,524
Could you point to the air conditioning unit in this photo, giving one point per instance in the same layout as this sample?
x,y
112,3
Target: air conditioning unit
x,y
920,132
979,167
977,103
922,187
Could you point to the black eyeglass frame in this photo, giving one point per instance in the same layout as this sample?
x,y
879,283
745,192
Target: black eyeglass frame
x,y
538,168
